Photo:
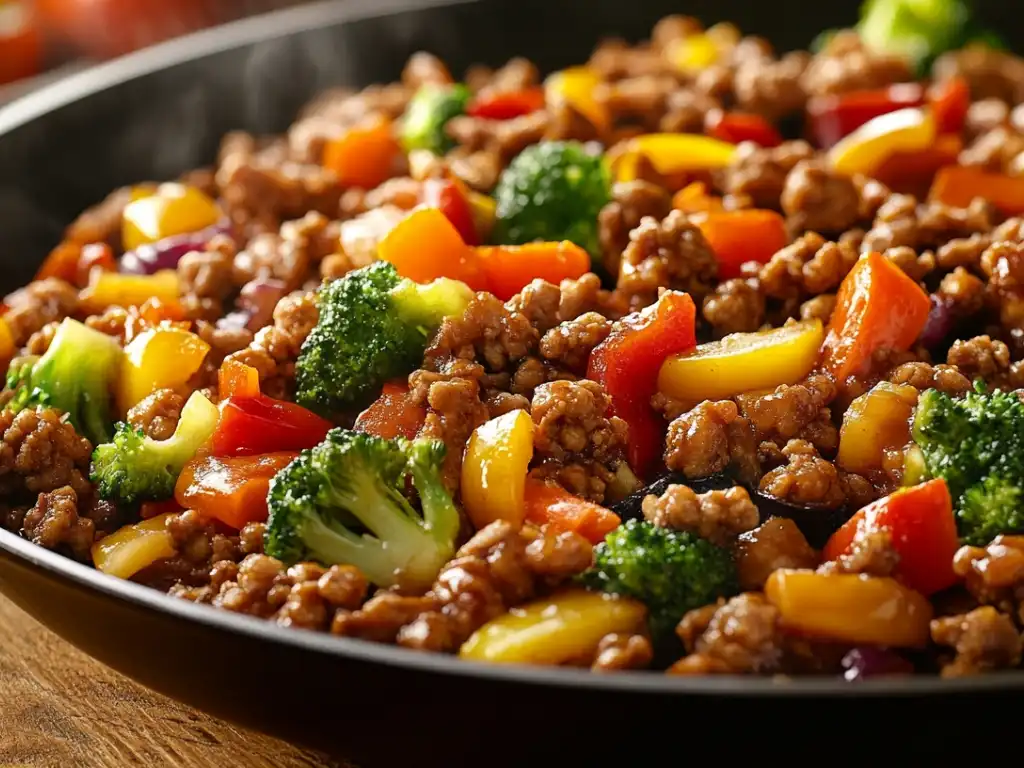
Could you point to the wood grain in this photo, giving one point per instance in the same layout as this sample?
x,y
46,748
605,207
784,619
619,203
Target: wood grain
x,y
59,708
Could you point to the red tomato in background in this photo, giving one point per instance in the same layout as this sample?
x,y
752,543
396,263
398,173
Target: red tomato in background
x,y
21,47
106,28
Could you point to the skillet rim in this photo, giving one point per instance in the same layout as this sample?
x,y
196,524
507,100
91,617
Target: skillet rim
x,y
24,110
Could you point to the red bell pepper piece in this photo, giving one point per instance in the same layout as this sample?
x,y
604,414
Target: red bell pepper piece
x,y
832,117
912,172
232,490
735,127
627,364
923,529
737,237
448,196
551,505
393,414
957,185
950,101
505,106
252,425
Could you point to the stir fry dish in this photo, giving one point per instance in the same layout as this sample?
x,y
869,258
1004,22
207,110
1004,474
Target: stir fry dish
x,y
695,358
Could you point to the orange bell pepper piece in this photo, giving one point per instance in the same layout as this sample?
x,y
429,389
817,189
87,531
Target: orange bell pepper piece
x,y
950,101
548,504
694,198
912,172
393,414
73,262
877,306
735,127
364,155
237,379
737,237
957,185
425,245
510,268
232,490
923,529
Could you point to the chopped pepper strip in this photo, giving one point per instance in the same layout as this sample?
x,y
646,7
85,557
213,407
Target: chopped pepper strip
x,y
671,153
108,289
695,198
735,127
958,185
832,117
913,172
364,155
576,87
868,147
235,378
252,425
169,209
494,469
627,363
159,358
510,268
692,53
508,104
393,414
950,101
425,245
552,505
737,237
232,490
921,523
134,547
450,197
877,306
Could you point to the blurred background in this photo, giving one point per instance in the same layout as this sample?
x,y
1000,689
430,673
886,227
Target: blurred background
x,y
47,38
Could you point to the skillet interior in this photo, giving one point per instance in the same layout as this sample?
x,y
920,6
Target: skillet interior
x,y
161,111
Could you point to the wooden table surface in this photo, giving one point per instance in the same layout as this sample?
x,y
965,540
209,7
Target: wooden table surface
x,y
61,709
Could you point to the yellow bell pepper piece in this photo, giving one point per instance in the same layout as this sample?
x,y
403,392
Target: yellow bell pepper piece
x,y
864,150
7,348
743,362
877,421
560,629
693,53
172,209
494,469
159,358
850,608
107,289
134,547
577,87
672,153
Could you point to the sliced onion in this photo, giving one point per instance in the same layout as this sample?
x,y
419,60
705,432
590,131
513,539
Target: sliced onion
x,y
868,661
939,323
165,254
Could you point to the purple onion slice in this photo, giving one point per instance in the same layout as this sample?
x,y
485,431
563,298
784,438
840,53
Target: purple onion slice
x,y
166,253
869,661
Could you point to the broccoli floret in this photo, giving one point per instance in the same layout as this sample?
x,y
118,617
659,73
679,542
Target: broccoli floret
x,y
343,502
553,190
976,444
76,375
373,326
134,467
672,572
429,110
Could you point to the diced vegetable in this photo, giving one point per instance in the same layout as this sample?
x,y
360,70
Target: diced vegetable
x,y
627,364
134,547
484,211
235,378
494,469
172,209
737,237
576,87
7,348
451,198
107,289
868,147
393,414
923,529
555,630
692,53
877,306
869,662
73,263
364,155
734,127
850,608
230,489
695,198
671,153
505,105
551,505
425,245
831,117
913,172
148,258
743,362
917,30
159,358
958,185
876,422
510,268
257,424
950,100
428,113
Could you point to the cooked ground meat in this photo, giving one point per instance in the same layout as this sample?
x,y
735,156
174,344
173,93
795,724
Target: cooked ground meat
x,y
797,411
157,414
777,543
620,652
984,640
42,452
631,202
35,305
816,199
761,173
54,522
486,331
872,553
570,343
570,421
718,516
994,574
806,479
735,306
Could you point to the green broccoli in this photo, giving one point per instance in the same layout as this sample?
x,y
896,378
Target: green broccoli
x,y
672,572
553,190
976,444
373,326
429,110
76,375
343,502
134,467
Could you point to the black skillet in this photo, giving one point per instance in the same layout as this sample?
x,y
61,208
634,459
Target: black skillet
x,y
159,112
